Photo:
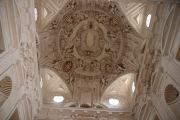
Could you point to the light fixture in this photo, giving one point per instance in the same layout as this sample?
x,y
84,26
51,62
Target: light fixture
x,y
58,98
133,87
113,101
148,20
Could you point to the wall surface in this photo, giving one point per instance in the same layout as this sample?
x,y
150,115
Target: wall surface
x,y
19,76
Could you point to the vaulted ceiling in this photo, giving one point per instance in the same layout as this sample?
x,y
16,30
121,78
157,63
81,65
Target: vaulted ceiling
x,y
90,51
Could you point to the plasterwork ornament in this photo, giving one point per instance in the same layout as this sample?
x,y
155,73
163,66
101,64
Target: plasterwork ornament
x,y
27,62
88,45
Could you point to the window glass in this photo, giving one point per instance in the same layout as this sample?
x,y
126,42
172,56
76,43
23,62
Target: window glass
x,y
133,87
113,101
148,20
58,98
36,14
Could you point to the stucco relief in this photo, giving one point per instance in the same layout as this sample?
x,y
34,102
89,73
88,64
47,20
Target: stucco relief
x,y
88,48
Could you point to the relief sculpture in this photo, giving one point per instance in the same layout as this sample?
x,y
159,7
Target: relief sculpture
x,y
89,44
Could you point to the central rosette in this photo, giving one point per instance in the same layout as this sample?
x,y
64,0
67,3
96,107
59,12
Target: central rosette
x,y
89,41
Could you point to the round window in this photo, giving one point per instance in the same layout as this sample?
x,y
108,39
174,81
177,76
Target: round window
x,y
58,98
113,101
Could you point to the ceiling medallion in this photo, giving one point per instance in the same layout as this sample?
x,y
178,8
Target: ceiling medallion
x,y
68,18
115,21
89,42
68,64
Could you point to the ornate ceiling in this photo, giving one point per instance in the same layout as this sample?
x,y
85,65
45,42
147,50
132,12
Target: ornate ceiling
x,y
90,51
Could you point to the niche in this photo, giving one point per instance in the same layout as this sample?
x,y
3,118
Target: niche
x,y
2,47
5,89
178,54
172,99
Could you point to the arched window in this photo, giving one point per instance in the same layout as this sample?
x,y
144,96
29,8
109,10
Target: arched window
x,y
133,87
36,14
148,20
41,83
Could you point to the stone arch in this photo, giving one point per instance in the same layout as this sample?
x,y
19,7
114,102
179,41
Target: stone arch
x,y
120,89
5,89
54,85
114,79
59,75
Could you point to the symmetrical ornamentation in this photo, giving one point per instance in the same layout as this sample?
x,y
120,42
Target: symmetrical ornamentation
x,y
88,47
